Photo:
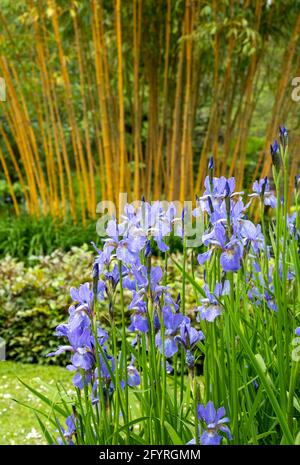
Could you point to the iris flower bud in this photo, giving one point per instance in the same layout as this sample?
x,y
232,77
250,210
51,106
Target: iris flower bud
x,y
283,134
210,204
211,163
227,190
95,274
148,251
263,187
190,359
211,173
274,149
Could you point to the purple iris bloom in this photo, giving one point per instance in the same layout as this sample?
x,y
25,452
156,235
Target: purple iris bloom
x,y
105,359
261,189
297,331
139,322
127,248
169,368
172,322
83,358
69,432
230,259
83,295
232,250
189,335
77,330
133,376
81,378
139,318
216,189
214,422
210,307
103,256
253,234
151,220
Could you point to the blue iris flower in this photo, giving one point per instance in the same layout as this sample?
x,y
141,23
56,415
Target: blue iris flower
x,y
214,422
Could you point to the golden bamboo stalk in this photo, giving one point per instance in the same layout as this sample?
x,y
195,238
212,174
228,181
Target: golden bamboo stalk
x,y
85,118
15,164
176,121
21,138
10,185
185,130
159,159
121,97
137,19
81,170
102,99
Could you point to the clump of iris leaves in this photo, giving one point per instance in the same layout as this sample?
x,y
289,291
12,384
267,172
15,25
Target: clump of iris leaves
x,y
137,384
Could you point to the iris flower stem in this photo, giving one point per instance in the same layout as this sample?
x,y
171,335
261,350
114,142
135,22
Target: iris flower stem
x,y
183,311
124,351
103,403
284,250
266,261
175,378
154,379
145,370
277,288
196,400
163,397
234,387
117,384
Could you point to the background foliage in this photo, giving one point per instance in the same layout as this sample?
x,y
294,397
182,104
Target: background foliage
x,y
107,96
34,300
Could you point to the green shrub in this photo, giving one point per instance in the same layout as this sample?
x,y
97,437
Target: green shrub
x,y
34,300
29,236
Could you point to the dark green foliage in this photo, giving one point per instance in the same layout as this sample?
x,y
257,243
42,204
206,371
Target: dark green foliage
x,y
35,299
27,236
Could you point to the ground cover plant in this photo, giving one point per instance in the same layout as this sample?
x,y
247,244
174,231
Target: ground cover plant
x,y
141,384
24,428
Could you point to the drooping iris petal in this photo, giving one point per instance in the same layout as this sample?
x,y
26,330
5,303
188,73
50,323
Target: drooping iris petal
x,y
133,376
209,313
83,359
170,346
203,257
210,439
230,259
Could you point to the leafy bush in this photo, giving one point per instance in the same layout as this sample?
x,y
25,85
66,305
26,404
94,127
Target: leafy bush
x,y
33,301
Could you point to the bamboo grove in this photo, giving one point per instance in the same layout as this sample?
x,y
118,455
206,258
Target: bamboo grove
x,y
109,96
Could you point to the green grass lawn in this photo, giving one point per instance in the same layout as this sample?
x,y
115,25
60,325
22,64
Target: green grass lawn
x,y
18,424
